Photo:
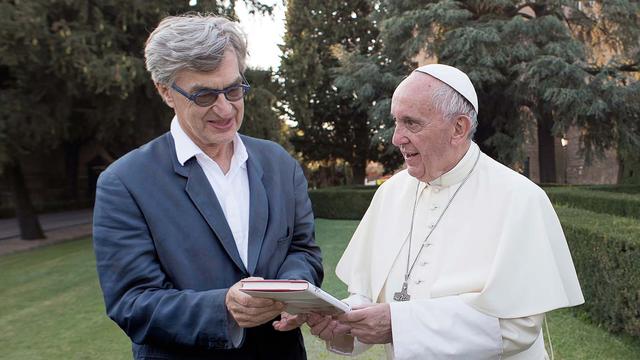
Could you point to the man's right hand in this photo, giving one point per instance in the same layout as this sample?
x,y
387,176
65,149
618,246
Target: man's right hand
x,y
325,327
249,311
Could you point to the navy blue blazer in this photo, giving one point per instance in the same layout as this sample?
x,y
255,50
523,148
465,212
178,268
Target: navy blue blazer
x,y
166,255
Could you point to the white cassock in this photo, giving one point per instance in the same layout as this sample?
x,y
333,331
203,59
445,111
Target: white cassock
x,y
496,262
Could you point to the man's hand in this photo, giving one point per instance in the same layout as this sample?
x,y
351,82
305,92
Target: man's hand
x,y
289,322
326,327
370,324
249,311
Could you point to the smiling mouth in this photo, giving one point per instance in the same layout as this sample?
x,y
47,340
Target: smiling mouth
x,y
220,123
409,155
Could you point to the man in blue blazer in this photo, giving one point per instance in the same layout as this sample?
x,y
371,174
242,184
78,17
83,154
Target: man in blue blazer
x,y
181,220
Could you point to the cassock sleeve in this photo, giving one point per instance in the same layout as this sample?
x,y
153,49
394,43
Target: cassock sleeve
x,y
449,328
519,334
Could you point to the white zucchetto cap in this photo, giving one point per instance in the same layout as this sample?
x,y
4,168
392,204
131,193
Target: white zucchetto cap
x,y
453,77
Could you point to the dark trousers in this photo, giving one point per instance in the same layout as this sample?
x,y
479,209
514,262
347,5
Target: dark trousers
x,y
260,343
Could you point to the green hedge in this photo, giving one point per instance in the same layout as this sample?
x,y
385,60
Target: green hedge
x,y
606,253
351,202
344,202
624,188
621,204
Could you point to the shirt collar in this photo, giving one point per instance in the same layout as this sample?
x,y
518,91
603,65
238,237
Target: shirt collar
x,y
186,148
459,172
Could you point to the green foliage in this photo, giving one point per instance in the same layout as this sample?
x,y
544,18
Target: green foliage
x,y
605,251
614,203
261,119
630,168
625,188
73,71
327,125
547,65
341,202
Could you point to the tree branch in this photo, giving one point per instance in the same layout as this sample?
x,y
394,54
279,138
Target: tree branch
x,y
595,70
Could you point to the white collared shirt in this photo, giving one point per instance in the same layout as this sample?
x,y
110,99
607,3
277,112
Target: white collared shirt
x,y
232,188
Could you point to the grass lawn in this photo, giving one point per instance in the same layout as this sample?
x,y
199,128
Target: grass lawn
x,y
51,308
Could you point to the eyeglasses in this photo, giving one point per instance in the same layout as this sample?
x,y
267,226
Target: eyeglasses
x,y
206,97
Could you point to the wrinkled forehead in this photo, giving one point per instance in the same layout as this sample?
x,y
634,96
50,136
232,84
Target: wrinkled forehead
x,y
418,83
416,90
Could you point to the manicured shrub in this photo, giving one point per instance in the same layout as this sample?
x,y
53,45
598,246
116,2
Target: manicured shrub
x,y
606,253
624,188
341,202
621,204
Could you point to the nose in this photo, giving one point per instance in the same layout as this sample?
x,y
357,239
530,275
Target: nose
x,y
223,107
398,137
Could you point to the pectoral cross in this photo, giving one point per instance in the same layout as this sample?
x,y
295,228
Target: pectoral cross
x,y
402,295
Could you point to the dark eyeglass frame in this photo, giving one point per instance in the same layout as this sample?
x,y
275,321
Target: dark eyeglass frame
x,y
196,97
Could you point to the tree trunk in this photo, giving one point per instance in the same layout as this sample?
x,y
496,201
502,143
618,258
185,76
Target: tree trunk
x,y
621,169
28,221
359,171
546,151
361,143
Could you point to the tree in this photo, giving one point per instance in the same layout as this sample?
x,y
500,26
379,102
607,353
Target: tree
x,y
610,32
72,71
261,118
328,126
531,70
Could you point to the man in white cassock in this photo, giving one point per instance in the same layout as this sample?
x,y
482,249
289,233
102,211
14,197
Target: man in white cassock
x,y
457,256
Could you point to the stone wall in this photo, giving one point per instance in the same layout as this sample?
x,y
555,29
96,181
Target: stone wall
x,y
571,165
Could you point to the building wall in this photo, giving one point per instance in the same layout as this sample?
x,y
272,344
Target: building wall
x,y
601,170
571,165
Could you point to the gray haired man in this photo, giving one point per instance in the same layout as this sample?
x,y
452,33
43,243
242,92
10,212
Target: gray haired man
x,y
181,220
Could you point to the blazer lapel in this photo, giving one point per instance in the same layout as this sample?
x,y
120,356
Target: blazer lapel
x,y
258,210
199,190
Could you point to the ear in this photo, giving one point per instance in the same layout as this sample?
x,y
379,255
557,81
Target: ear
x,y
461,128
165,93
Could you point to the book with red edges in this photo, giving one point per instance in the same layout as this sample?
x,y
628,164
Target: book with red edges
x,y
299,296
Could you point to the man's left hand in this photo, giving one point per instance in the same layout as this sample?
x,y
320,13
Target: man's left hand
x,y
289,322
371,324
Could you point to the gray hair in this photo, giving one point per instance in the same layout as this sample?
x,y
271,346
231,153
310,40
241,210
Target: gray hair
x,y
192,42
451,104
